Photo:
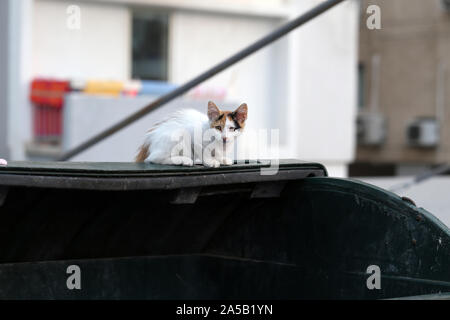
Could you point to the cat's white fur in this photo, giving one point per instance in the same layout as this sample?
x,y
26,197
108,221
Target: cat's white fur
x,y
164,140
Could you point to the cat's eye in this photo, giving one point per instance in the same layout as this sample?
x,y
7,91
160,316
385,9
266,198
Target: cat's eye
x,y
232,128
219,128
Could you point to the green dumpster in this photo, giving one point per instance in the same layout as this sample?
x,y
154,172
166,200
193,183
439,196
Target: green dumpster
x,y
142,231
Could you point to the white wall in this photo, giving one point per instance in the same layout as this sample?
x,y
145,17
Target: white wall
x,y
19,76
4,12
200,40
323,65
100,49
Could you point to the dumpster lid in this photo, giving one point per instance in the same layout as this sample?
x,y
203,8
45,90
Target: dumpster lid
x,y
134,176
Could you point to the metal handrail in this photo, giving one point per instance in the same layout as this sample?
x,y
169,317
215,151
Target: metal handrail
x,y
271,37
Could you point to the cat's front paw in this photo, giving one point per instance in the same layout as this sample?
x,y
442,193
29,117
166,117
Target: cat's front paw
x,y
227,161
188,162
213,163
182,161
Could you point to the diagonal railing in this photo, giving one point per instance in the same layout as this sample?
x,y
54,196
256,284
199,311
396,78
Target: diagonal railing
x,y
261,43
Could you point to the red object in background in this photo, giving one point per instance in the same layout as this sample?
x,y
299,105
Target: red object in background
x,y
47,97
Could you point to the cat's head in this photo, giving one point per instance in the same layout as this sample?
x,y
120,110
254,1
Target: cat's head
x,y
228,124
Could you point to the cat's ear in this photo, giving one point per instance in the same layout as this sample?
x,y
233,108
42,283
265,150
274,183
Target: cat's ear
x,y
213,111
241,113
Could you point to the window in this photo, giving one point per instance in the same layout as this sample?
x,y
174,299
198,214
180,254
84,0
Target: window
x,y
150,42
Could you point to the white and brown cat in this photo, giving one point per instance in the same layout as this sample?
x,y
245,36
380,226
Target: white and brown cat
x,y
189,135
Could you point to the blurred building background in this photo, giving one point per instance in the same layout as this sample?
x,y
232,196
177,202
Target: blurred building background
x,y
403,101
404,86
67,71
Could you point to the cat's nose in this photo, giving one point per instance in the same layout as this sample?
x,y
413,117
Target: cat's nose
x,y
225,140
